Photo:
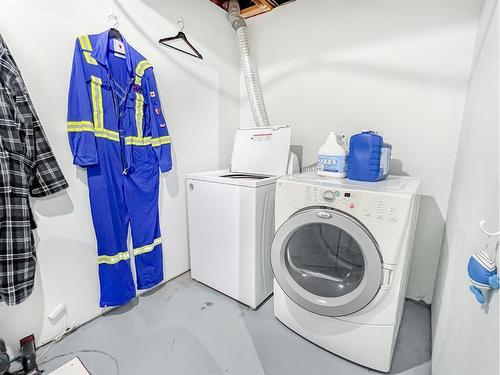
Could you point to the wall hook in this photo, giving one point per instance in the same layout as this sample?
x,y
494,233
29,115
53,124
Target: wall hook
x,y
482,223
112,17
181,23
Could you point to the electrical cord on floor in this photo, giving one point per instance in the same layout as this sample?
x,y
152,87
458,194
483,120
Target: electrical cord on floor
x,y
59,337
73,326
85,351
18,372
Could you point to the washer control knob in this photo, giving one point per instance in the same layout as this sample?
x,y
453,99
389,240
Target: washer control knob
x,y
328,196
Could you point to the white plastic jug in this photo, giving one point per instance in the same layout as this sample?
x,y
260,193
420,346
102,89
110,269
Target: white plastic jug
x,y
332,156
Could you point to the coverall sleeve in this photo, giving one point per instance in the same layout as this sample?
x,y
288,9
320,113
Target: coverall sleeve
x,y
80,126
160,137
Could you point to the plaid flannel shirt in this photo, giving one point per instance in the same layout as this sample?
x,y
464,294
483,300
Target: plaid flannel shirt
x,y
27,167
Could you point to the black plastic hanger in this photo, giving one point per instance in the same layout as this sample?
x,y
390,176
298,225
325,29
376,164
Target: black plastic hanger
x,y
181,36
115,34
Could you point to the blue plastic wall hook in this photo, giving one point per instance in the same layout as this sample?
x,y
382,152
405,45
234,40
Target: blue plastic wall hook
x,y
483,275
482,269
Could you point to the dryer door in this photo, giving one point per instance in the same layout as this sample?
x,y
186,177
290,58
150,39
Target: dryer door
x,y
327,262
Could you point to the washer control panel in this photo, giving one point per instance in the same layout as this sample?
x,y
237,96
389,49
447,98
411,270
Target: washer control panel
x,y
341,199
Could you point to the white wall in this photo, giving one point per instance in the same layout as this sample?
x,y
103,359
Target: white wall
x,y
199,98
466,334
400,67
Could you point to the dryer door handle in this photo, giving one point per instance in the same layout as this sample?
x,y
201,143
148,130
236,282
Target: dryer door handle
x,y
387,274
324,215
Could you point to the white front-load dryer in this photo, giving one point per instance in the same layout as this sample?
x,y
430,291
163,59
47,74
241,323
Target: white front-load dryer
x,y
340,258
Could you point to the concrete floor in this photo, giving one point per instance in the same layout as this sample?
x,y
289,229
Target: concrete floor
x,y
185,328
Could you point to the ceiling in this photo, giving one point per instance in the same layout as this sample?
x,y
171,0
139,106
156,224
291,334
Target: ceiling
x,y
251,8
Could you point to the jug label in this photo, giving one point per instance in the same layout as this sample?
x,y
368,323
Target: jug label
x,y
385,160
330,163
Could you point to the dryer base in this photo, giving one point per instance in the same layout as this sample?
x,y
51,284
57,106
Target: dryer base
x,y
368,345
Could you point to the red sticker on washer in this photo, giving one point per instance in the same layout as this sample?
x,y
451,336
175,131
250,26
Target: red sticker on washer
x,y
158,111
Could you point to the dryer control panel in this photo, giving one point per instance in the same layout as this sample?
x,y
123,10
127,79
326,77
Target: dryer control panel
x,y
343,200
372,207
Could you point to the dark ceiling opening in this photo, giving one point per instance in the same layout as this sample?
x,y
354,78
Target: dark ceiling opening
x,y
251,8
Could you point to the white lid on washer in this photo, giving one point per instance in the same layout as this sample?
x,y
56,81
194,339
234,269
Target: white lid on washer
x,y
261,151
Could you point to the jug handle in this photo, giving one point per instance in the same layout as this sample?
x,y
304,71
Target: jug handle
x,y
343,137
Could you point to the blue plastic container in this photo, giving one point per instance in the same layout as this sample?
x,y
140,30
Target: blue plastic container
x,y
369,157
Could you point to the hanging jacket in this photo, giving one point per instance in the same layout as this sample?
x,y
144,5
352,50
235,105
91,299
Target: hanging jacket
x,y
124,109
27,167
27,164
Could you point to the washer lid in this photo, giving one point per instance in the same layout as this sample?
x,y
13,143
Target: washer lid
x,y
261,151
225,177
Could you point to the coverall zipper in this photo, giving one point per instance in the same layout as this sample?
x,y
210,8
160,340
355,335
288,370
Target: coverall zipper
x,y
122,157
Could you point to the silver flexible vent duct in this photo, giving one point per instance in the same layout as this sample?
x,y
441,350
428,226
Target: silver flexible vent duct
x,y
248,65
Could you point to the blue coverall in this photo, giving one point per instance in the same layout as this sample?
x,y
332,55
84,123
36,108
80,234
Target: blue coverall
x,y
118,133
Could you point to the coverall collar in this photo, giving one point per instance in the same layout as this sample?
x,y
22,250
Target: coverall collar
x,y
101,50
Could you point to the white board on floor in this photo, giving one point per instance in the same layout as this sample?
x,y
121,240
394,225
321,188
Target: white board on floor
x,y
73,367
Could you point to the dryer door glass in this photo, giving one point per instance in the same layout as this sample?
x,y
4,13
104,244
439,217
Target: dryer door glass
x,y
324,260
327,262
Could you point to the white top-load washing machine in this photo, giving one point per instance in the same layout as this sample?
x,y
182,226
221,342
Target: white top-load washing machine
x,y
340,257
231,216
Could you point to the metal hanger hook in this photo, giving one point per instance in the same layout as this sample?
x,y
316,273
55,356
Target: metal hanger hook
x,y
181,23
113,17
482,224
